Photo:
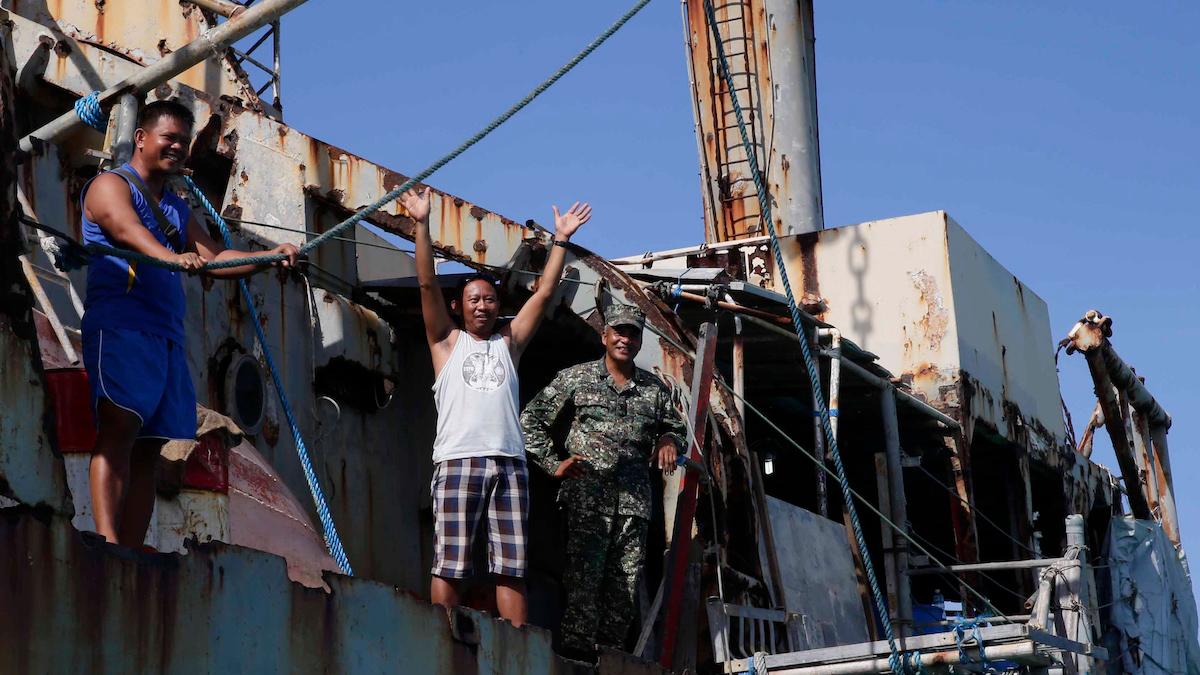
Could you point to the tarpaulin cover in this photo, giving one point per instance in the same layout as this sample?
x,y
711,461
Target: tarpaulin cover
x,y
1153,612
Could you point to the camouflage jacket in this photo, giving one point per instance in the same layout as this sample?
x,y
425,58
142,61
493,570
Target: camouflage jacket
x,y
615,432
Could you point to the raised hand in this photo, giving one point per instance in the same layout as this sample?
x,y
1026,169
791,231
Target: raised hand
x,y
416,203
566,224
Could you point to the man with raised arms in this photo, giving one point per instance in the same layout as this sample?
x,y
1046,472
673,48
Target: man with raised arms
x,y
478,451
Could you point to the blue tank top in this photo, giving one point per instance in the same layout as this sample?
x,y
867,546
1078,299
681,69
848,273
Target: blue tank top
x,y
131,295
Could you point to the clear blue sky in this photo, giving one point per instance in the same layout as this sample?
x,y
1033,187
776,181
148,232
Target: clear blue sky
x,y
1062,136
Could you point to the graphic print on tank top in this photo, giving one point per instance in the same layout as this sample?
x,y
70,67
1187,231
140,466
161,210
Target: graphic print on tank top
x,y
483,371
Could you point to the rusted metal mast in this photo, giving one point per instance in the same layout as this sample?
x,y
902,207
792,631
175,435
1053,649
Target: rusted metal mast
x,y
769,44
1135,421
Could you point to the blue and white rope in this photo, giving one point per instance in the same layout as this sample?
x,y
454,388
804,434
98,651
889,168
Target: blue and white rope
x,y
89,110
332,541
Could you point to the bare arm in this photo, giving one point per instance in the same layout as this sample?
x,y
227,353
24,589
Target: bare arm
x,y
208,248
109,205
439,328
526,323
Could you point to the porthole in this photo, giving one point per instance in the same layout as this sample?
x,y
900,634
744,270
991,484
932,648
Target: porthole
x,y
245,393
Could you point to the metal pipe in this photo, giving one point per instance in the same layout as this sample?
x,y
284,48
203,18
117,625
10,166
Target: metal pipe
x,y
986,566
1114,423
127,114
869,377
277,81
819,448
223,7
886,539
739,367
734,307
943,657
835,405
210,43
1090,336
901,395
56,277
794,163
1089,434
693,250
895,468
1126,380
1040,613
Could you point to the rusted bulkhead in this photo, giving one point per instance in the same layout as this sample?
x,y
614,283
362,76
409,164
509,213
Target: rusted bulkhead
x,y
98,41
960,330
769,48
74,604
371,452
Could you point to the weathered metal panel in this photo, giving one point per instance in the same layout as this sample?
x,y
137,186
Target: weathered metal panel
x,y
367,459
939,310
1005,342
230,609
768,45
817,575
886,285
30,470
346,330
97,44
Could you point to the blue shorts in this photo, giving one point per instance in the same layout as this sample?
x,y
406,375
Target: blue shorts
x,y
146,375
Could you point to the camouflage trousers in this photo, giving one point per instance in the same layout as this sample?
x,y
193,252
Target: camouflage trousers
x,y
604,560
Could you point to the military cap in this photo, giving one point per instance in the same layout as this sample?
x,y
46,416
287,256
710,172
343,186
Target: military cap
x,y
624,315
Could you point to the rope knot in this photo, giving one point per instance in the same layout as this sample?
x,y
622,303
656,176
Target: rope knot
x,y
89,110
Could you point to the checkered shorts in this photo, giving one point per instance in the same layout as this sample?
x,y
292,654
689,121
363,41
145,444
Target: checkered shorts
x,y
461,489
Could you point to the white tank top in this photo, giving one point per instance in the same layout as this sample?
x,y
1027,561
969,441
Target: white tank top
x,y
477,398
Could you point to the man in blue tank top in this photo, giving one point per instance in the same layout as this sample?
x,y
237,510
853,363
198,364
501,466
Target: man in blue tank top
x,y
133,339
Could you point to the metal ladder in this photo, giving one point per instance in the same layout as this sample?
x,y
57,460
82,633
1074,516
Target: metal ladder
x,y
733,165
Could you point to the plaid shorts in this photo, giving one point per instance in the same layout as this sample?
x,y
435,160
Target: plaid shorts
x,y
462,488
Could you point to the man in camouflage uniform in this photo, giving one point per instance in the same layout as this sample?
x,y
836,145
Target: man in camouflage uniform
x,y
621,420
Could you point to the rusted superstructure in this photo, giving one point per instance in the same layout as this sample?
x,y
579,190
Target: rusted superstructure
x,y
939,363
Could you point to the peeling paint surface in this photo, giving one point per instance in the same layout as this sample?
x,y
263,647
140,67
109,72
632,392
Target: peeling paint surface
x,y
226,609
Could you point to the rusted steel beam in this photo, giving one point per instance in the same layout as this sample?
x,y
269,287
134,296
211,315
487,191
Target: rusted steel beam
x,y
962,508
887,539
1091,333
224,8
1090,336
685,511
737,309
208,44
1158,485
1162,465
31,471
1095,421
895,475
1114,423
